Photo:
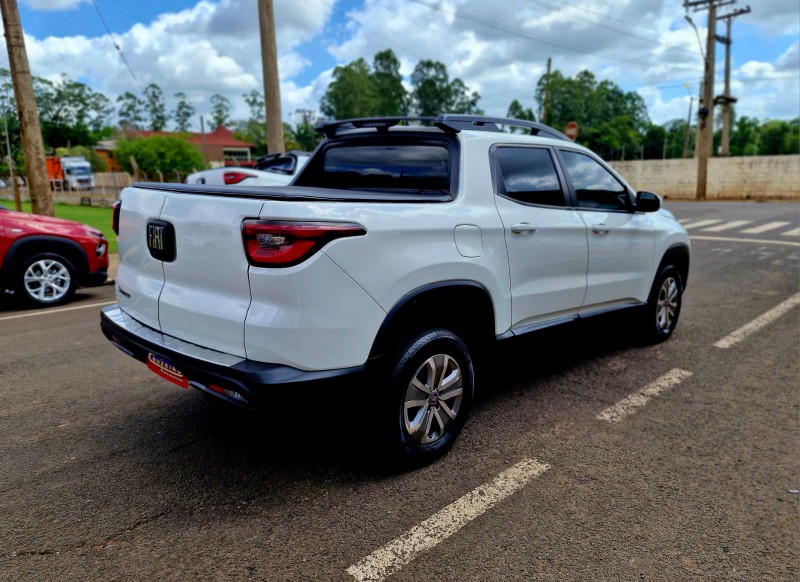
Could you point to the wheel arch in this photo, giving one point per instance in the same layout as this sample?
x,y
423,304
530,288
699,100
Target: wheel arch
x,y
678,255
462,306
28,246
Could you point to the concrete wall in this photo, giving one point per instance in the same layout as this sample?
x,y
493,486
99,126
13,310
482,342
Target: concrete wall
x,y
750,177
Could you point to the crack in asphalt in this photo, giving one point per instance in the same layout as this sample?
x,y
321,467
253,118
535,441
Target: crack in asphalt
x,y
112,539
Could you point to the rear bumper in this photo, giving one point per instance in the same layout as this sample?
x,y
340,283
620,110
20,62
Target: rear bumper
x,y
254,381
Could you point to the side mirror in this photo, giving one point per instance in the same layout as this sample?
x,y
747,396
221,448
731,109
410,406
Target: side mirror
x,y
647,202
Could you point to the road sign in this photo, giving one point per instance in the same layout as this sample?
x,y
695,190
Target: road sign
x,y
571,131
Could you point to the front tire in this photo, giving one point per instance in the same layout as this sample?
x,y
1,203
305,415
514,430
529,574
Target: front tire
x,y
663,306
430,390
46,279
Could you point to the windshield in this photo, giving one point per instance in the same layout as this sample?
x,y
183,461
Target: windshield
x,y
79,171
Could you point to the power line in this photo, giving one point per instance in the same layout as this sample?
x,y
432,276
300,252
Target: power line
x,y
521,34
116,46
614,29
628,22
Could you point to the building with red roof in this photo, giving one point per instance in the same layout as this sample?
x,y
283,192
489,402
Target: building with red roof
x,y
218,147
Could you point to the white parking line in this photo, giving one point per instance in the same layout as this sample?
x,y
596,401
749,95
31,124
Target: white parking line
x,y
759,322
793,232
765,227
628,406
390,558
700,223
727,226
49,311
762,241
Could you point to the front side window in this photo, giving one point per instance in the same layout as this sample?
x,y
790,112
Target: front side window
x,y
594,186
528,175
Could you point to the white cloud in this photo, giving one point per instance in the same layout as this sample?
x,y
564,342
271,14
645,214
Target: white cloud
x,y
54,4
212,47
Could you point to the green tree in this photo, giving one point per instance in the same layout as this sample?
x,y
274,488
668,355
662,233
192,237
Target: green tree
x,y
350,93
183,113
431,93
613,122
303,136
254,129
220,111
434,93
131,111
155,107
70,112
159,152
391,97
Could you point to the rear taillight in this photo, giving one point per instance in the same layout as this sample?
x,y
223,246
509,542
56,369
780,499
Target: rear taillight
x,y
236,177
115,216
283,244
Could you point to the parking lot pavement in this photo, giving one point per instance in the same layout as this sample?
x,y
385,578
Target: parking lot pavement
x,y
587,457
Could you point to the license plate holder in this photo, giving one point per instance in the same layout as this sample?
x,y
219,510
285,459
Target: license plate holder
x,y
165,369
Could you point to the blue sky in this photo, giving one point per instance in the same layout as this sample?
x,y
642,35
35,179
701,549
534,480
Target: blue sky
x,y
202,47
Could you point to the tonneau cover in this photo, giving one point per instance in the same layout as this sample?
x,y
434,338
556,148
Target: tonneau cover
x,y
299,193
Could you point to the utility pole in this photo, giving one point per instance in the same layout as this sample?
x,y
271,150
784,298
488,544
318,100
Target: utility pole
x,y
688,126
726,100
705,113
272,87
546,92
32,144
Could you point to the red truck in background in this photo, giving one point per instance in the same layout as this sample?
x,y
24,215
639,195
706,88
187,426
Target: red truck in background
x,y
43,260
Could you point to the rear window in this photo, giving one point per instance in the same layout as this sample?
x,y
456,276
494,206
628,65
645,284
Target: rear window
x,y
396,167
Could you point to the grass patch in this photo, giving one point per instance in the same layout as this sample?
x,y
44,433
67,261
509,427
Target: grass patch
x,y
99,218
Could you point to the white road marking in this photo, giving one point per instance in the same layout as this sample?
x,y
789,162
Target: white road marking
x,y
765,227
700,223
390,558
746,330
61,310
628,406
727,226
785,243
793,232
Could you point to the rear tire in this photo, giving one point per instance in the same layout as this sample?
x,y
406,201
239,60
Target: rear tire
x,y
45,279
660,316
431,383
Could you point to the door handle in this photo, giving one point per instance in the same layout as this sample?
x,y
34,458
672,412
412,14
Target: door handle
x,y
600,229
523,228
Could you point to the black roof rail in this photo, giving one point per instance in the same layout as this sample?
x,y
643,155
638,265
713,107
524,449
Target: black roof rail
x,y
331,128
454,123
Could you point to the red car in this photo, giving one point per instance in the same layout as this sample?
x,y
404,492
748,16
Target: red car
x,y
43,260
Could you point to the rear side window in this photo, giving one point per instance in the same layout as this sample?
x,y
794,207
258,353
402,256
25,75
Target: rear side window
x,y
528,175
594,186
396,167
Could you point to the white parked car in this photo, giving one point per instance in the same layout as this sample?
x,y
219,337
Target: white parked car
x,y
399,252
270,170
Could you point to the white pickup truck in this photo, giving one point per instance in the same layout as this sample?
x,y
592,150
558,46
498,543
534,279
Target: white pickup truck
x,y
400,251
270,170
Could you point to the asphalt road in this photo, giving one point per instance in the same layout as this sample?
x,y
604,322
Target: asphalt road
x,y
108,472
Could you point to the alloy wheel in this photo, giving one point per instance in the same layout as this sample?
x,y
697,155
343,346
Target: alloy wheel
x,y
433,399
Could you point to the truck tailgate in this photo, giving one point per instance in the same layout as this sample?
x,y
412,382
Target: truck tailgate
x,y
206,291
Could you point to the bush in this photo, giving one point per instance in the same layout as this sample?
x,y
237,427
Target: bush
x,y
159,153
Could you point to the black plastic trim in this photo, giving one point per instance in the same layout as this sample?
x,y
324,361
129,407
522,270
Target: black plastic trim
x,y
298,193
379,344
249,378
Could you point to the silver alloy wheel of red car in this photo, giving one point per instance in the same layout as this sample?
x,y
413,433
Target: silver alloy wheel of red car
x,y
47,280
